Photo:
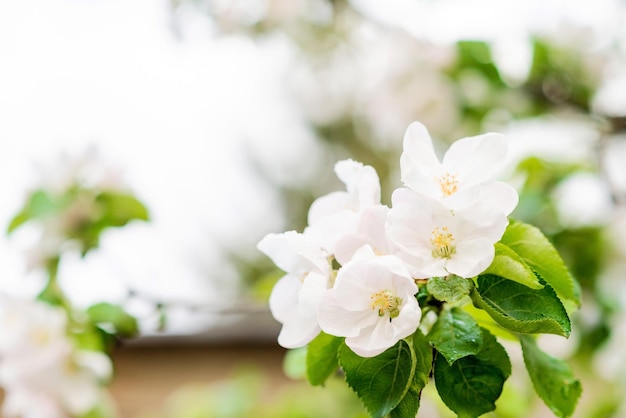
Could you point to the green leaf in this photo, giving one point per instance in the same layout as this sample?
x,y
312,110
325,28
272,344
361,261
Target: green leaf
x,y
121,208
423,358
508,264
472,384
294,363
552,378
39,205
455,335
528,241
449,289
321,358
409,405
381,382
109,315
519,308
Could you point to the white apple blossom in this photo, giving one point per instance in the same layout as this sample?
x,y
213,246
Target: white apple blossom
x,y
464,176
370,230
336,214
372,304
42,373
295,297
435,241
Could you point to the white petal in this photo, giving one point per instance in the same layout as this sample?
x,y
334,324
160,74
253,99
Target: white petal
x,y
284,298
334,319
298,332
424,265
477,158
418,162
329,230
293,253
311,292
493,193
480,221
471,258
373,340
362,183
328,205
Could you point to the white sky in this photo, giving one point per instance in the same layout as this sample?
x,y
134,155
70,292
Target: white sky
x,y
176,116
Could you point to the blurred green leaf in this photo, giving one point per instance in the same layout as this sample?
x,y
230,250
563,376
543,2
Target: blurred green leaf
x,y
294,364
39,205
552,378
120,208
114,316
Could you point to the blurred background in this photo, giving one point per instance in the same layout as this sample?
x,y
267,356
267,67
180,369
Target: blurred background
x,y
210,123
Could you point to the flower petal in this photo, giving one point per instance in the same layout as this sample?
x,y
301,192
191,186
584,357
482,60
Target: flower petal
x,y
418,162
495,193
477,158
334,319
298,332
362,183
284,298
293,252
472,257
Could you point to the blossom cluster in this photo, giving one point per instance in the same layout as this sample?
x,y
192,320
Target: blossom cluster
x,y
353,271
42,372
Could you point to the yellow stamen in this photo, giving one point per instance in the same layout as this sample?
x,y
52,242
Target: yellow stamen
x,y
385,302
448,183
443,243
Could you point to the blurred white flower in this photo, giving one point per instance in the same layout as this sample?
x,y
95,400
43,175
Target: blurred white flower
x,y
42,373
372,304
464,175
295,297
583,199
435,241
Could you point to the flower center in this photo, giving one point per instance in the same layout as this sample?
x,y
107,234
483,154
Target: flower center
x,y
448,183
443,242
385,302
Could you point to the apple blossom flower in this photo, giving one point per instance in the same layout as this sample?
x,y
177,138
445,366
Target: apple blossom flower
x,y
41,371
464,175
435,241
294,299
370,230
336,214
372,303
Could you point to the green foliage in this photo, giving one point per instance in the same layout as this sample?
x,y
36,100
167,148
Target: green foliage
x,y
81,213
381,382
552,378
449,289
39,205
519,308
537,251
321,359
455,335
471,385
508,264
113,317
409,405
